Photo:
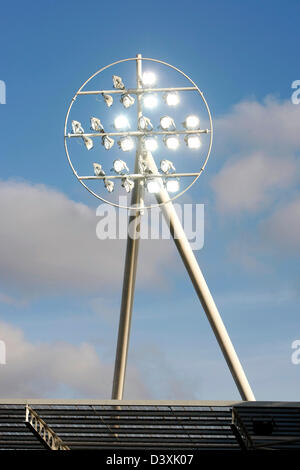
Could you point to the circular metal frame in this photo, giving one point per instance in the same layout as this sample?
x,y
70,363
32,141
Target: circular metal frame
x,y
152,206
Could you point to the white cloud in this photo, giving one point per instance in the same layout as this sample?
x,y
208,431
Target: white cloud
x,y
249,183
282,228
61,369
49,369
263,140
49,243
272,125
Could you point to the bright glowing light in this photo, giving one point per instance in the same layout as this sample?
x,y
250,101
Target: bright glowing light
x,y
149,78
127,184
172,142
172,98
118,83
193,141
144,124
109,185
108,142
88,142
127,100
121,122
150,101
120,166
96,125
166,166
77,127
98,169
172,186
153,186
108,99
192,122
150,144
166,123
126,144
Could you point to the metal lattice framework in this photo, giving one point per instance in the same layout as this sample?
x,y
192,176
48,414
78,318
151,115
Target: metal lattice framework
x,y
42,431
138,92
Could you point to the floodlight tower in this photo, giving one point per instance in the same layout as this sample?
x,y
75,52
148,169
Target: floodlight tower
x,y
161,182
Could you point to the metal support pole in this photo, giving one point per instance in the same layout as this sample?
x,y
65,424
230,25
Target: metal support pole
x,y
202,289
130,266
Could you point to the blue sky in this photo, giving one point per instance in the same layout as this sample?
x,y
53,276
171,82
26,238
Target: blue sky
x,y
60,287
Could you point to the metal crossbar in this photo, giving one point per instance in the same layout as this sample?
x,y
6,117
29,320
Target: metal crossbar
x,y
139,133
139,176
137,91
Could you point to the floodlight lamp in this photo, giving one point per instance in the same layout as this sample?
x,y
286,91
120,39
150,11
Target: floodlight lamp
x,y
149,78
150,144
118,83
108,142
150,101
96,125
88,142
127,100
192,141
77,127
109,185
171,99
108,99
98,171
121,122
172,142
144,124
153,186
126,144
167,123
120,167
172,185
191,122
167,166
127,184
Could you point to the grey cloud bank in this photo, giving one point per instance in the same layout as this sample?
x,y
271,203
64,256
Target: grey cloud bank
x,y
260,143
49,369
49,243
250,183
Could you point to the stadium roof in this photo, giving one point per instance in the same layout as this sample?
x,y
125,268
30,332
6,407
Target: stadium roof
x,y
111,424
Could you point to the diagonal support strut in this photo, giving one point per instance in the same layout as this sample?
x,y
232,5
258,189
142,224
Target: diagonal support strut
x,y
42,431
